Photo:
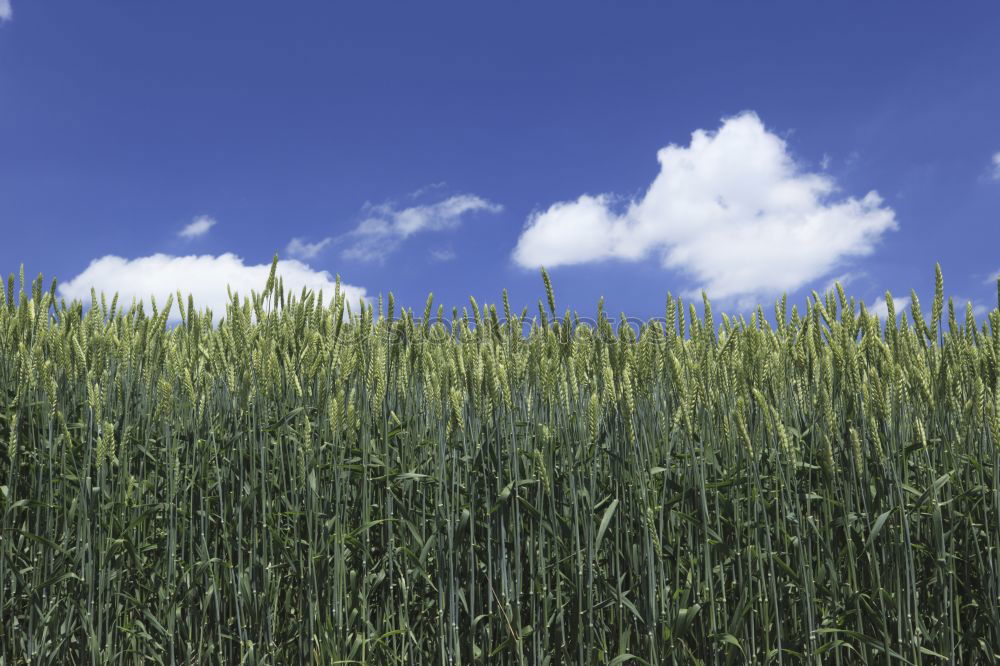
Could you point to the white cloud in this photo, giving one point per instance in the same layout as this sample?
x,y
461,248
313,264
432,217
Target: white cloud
x,y
198,227
881,308
420,191
443,255
733,209
995,172
844,279
978,309
6,11
205,277
302,250
386,227
961,302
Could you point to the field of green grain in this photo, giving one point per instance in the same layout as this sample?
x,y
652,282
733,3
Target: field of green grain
x,y
317,482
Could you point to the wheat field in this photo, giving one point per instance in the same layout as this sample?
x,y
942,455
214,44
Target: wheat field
x,y
310,482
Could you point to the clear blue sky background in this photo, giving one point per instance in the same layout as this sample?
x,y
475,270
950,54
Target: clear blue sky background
x,y
122,122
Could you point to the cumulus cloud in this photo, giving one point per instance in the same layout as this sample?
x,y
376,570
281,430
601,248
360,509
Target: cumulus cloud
x,y
205,277
198,227
302,250
386,227
733,209
6,12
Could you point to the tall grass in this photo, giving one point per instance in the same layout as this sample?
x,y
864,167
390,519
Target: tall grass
x,y
297,485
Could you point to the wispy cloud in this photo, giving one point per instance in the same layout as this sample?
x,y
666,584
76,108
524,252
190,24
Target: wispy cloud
x,y
420,191
205,277
6,11
386,227
995,171
733,209
300,249
881,308
961,303
198,227
443,255
844,279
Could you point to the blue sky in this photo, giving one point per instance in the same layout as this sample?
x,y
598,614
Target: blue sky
x,y
633,148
